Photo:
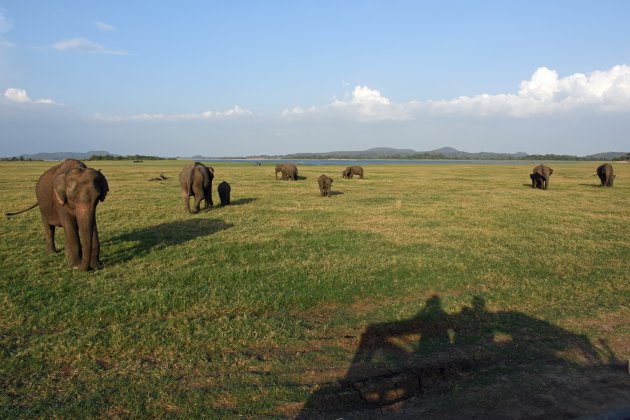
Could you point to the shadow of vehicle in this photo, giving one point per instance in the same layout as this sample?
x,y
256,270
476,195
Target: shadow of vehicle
x,y
138,242
473,364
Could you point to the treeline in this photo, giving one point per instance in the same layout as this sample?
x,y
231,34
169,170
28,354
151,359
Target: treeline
x,y
19,158
128,157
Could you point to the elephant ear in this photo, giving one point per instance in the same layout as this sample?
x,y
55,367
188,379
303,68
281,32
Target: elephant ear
x,y
104,187
59,186
64,185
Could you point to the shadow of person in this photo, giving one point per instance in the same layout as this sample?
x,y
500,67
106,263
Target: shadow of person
x,y
136,243
396,363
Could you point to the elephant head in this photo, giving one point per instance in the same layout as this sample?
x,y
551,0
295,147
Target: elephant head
x,y
543,173
78,191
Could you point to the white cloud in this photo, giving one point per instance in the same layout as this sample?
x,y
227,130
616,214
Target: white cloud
x,y
232,112
21,96
296,110
370,104
104,26
85,46
45,101
544,93
16,95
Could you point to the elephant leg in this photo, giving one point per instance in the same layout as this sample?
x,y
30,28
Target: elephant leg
x,y
72,243
96,250
209,196
198,198
186,198
49,232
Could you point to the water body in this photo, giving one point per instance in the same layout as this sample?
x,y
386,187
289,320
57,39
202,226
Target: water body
x,y
350,162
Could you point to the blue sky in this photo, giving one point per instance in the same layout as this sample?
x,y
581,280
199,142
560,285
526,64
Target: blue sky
x,y
252,77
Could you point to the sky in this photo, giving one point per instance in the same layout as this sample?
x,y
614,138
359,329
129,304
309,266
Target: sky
x,y
242,78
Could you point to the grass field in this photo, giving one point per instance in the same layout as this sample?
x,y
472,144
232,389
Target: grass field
x,y
420,287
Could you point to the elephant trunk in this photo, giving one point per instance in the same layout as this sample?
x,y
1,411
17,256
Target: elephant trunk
x,y
86,222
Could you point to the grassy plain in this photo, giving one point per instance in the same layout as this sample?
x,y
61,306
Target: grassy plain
x,y
254,308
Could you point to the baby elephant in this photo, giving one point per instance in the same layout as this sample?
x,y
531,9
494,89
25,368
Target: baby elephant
x,y
325,183
537,181
605,174
224,193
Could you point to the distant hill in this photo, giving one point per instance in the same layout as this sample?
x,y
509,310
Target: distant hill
x,y
441,153
607,155
67,155
373,153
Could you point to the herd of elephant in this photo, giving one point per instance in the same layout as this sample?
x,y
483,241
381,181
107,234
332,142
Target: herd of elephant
x,y
541,174
67,195
290,171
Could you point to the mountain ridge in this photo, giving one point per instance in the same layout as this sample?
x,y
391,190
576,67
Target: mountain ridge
x,y
372,153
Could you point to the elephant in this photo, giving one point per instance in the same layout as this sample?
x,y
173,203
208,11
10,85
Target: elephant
x,y
196,181
542,173
67,196
350,171
325,183
536,181
605,174
224,193
288,170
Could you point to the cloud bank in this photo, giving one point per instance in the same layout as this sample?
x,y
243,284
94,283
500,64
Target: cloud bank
x,y
234,111
545,93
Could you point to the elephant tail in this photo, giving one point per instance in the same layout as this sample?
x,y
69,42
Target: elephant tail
x,y
21,211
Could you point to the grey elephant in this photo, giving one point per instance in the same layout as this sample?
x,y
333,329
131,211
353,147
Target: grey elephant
x,y
350,171
224,193
540,176
288,171
196,181
536,180
606,175
67,196
325,183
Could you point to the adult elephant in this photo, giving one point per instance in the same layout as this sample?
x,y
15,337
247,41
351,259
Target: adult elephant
x,y
350,171
196,181
540,176
606,175
67,196
288,171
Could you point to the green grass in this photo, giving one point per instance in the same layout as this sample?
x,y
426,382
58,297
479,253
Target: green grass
x,y
215,314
